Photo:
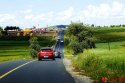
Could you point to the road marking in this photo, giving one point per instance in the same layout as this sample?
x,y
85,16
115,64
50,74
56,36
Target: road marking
x,y
7,73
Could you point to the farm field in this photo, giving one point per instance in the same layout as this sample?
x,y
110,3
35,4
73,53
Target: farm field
x,y
8,53
107,34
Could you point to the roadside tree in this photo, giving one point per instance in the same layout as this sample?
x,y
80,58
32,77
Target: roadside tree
x,y
81,37
34,47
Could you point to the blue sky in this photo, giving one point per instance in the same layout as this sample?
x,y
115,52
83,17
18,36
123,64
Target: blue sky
x,y
27,13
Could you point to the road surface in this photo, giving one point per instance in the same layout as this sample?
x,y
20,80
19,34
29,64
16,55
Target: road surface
x,y
27,71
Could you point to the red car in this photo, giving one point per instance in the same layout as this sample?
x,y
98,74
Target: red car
x,y
46,53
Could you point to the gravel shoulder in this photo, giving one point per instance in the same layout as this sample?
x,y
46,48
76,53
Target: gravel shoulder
x,y
76,75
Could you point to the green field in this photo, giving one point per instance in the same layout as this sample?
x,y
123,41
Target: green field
x,y
105,35
107,59
8,53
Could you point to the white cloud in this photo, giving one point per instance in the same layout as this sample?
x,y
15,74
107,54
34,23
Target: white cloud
x,y
28,16
117,8
66,14
38,17
104,11
6,18
94,13
50,17
27,11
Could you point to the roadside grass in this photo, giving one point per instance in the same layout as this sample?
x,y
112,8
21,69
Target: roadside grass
x,y
13,58
102,62
68,53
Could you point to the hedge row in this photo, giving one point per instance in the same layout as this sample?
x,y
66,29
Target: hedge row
x,y
24,38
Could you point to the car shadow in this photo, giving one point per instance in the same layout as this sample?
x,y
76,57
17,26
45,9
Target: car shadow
x,y
46,60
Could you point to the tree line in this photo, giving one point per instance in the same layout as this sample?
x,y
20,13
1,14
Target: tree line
x,y
120,25
10,28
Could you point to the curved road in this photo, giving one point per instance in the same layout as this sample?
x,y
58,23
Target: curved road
x,y
26,71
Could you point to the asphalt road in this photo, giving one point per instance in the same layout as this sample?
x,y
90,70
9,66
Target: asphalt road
x,y
47,71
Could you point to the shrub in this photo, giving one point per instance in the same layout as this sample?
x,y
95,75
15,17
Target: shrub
x,y
77,48
33,53
34,47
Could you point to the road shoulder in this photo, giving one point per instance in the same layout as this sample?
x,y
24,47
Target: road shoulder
x,y
78,78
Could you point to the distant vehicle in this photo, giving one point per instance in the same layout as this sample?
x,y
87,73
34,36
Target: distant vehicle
x,y
61,41
26,32
57,54
59,37
46,53
43,30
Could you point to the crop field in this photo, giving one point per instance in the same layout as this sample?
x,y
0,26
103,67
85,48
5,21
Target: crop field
x,y
105,35
8,53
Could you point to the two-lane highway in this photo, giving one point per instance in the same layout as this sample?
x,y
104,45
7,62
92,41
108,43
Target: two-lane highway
x,y
40,72
46,71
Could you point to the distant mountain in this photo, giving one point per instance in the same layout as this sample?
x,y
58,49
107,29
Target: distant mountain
x,y
61,26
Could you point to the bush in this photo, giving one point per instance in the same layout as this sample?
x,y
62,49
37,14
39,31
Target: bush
x,y
88,62
96,66
34,47
77,48
33,53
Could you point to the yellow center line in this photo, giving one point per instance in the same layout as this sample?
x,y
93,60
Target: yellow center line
x,y
7,73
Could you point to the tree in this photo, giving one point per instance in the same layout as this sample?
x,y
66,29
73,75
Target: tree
x,y
92,25
34,47
11,28
1,29
74,29
81,37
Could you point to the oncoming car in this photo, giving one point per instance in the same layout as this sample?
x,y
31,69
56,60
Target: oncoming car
x,y
46,53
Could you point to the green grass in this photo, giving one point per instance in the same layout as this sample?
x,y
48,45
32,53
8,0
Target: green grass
x,y
108,29
102,61
13,58
110,37
25,43
8,53
19,47
14,43
109,34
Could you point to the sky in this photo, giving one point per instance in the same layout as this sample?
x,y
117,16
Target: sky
x,y
41,13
